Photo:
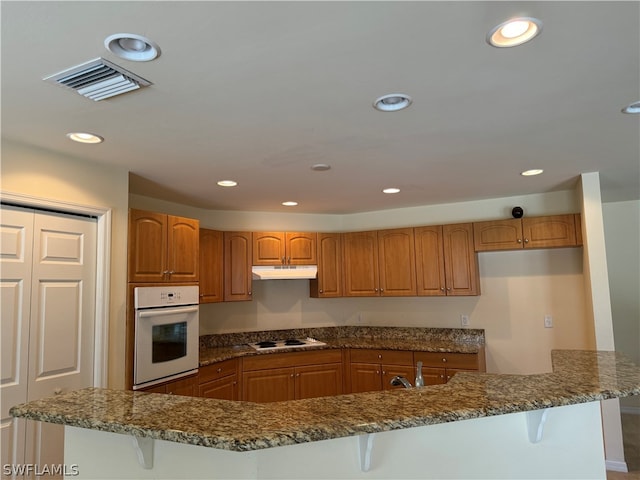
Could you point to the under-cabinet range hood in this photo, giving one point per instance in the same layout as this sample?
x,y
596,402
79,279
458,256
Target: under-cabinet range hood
x,y
284,272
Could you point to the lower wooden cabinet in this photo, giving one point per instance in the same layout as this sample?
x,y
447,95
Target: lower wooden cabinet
x,y
440,367
219,380
185,386
292,376
373,369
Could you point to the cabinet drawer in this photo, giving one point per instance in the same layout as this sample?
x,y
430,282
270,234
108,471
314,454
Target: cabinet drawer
x,y
217,370
388,357
449,360
291,359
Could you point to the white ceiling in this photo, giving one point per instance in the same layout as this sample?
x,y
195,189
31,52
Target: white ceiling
x,y
258,92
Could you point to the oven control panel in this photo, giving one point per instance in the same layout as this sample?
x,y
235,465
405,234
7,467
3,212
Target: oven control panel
x,y
149,297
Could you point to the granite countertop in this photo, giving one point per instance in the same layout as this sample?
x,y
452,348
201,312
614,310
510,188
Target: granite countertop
x,y
216,348
578,377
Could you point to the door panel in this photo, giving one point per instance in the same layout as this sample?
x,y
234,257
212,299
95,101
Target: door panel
x,y
16,243
48,306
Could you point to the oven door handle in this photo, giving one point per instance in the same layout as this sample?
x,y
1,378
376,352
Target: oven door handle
x,y
156,312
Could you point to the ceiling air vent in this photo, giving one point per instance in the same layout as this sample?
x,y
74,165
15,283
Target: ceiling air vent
x,y
98,79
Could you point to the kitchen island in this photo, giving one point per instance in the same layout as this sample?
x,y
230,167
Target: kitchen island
x,y
475,426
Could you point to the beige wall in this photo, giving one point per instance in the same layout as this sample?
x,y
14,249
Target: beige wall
x,y
46,175
518,288
622,233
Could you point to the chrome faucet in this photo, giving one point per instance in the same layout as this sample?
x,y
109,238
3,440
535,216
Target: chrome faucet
x,y
398,380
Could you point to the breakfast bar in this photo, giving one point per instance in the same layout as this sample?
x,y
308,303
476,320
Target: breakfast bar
x,y
476,426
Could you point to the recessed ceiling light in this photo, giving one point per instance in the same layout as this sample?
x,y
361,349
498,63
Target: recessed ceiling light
x,y
632,108
391,190
320,167
227,183
132,47
514,32
392,102
289,204
532,172
84,137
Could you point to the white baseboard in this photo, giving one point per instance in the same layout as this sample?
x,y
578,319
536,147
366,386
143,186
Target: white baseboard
x,y
630,410
616,466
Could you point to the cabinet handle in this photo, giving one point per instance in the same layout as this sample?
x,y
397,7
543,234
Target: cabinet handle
x,y
383,372
377,372
380,356
219,370
282,260
381,290
448,289
321,291
170,393
288,259
292,375
526,240
297,374
442,289
519,240
375,289
249,293
444,360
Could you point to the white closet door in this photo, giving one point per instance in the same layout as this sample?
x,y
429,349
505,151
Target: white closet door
x,y
59,326
16,242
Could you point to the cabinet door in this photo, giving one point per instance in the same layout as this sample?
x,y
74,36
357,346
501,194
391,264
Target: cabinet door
x,y
187,386
434,376
225,388
268,248
430,279
147,246
550,231
498,235
183,258
360,253
329,281
318,380
390,371
274,385
301,248
237,266
211,266
396,262
460,260
365,377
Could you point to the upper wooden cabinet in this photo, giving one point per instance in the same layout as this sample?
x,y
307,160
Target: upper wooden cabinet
x,y
211,266
528,232
379,263
446,263
162,248
284,248
329,281
237,266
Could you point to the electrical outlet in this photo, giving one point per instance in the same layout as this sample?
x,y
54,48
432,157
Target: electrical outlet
x,y
548,321
464,320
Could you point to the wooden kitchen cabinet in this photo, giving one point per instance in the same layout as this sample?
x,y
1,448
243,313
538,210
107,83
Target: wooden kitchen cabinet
x,y
219,380
446,262
211,266
373,369
329,280
440,367
162,248
379,263
187,386
284,248
528,232
292,376
237,266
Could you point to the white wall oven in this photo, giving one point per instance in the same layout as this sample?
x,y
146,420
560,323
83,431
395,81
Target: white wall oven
x,y
166,334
